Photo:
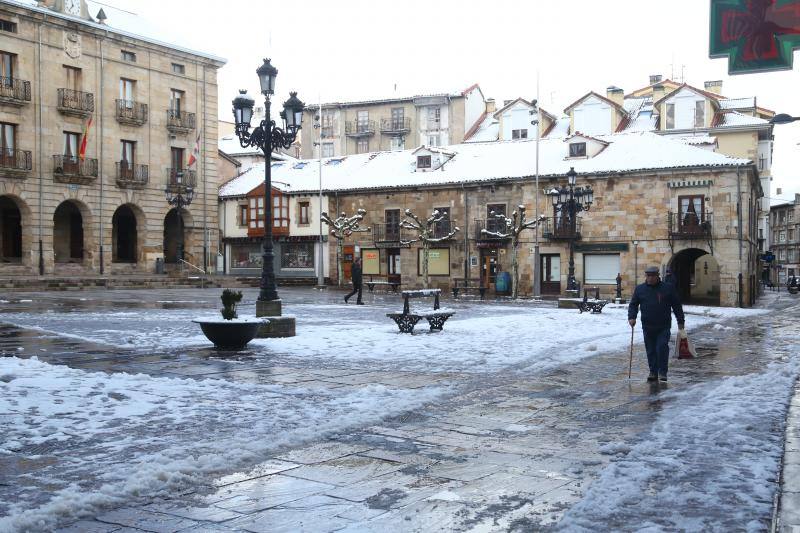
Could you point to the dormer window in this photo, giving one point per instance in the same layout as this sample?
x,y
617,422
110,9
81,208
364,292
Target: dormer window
x,y
577,149
423,161
519,134
670,125
699,114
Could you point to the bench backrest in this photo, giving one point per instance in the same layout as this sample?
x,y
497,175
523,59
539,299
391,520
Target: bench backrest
x,y
423,293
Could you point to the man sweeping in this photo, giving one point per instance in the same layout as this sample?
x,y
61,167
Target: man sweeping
x,y
656,299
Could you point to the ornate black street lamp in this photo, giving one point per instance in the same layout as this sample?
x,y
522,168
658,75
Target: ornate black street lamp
x,y
268,137
179,192
567,203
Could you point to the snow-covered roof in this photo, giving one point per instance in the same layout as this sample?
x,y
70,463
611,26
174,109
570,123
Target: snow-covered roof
x,y
252,178
479,162
230,145
560,129
370,98
735,119
695,140
119,21
489,130
738,103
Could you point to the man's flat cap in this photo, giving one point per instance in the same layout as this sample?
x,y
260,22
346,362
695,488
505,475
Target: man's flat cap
x,y
651,270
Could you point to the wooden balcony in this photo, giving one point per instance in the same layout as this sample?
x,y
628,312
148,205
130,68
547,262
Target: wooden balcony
x,y
690,226
71,169
14,92
131,113
15,163
180,121
75,103
132,176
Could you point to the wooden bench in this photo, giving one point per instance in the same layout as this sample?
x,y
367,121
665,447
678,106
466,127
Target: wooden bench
x,y
463,285
407,320
381,282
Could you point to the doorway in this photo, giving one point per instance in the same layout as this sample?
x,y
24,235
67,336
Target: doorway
x,y
551,274
696,277
10,231
393,265
173,223
488,266
124,235
68,234
348,256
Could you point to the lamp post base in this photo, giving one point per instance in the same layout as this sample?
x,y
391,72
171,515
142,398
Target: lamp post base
x,y
278,326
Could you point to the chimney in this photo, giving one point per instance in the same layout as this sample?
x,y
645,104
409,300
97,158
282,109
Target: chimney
x,y
714,86
616,95
655,78
491,107
658,92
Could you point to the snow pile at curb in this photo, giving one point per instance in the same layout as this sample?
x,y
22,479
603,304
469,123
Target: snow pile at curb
x,y
119,436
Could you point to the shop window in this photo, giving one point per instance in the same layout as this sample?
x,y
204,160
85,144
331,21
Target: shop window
x,y
297,255
438,261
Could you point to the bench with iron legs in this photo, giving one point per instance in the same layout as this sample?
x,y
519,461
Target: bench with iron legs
x,y
372,283
594,305
407,320
463,286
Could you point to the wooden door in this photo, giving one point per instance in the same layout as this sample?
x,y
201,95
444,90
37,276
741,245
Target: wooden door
x,y
348,253
488,267
551,274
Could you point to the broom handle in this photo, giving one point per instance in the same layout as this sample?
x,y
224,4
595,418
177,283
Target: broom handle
x,y
630,363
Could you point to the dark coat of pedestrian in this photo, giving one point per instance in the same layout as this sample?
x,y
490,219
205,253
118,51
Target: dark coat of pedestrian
x,y
355,276
670,278
657,300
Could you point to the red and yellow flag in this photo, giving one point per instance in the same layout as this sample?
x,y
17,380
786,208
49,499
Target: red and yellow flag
x,y
195,155
84,141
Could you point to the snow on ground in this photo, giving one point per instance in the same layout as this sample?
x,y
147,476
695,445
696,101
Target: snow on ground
x,y
479,338
709,463
119,436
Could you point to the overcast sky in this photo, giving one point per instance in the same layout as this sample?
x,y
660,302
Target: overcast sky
x,y
347,49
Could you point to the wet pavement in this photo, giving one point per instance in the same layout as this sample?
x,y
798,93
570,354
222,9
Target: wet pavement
x,y
508,450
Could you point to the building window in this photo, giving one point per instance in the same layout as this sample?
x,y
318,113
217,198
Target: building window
x,y
392,219
71,141
577,149
670,122
434,140
423,161
791,235
7,66
327,149
699,114
73,77
8,139
328,123
7,25
438,261
128,155
297,255
176,100
130,57
397,143
242,215
176,157
600,269
782,236
519,134
782,217
177,68
362,146
790,216
362,121
434,118
782,254
304,208
280,211
126,88
691,212
255,214
398,115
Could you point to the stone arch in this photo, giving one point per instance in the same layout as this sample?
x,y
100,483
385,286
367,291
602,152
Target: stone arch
x,y
172,225
128,229
15,230
71,232
697,276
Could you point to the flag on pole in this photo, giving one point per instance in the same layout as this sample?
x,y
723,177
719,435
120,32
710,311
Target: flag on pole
x,y
85,140
195,153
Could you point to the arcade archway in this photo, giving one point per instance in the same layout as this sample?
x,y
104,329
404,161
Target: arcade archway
x,y
697,276
68,241
10,231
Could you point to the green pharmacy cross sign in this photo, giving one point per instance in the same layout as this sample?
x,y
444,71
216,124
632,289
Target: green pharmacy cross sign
x,y
755,35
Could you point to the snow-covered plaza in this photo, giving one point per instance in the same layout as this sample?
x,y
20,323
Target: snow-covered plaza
x,y
117,415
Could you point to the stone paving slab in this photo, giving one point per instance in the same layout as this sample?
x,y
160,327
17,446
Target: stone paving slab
x,y
146,521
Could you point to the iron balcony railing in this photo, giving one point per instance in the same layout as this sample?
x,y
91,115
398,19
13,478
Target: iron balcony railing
x,y
178,120
395,125
15,91
130,112
328,131
690,225
131,174
75,102
15,160
491,224
383,232
359,128
181,177
72,166
559,228
442,228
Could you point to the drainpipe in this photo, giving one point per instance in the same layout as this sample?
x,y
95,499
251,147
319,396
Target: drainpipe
x,y
338,259
102,122
466,233
739,228
41,172
205,179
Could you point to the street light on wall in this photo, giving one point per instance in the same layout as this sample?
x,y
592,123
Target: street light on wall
x,y
568,202
268,137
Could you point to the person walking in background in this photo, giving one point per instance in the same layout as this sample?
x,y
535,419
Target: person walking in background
x,y
355,275
670,278
656,300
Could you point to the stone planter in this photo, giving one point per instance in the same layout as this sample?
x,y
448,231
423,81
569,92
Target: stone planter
x,y
230,334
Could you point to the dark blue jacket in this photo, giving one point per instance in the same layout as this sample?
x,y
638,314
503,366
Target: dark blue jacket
x,y
656,302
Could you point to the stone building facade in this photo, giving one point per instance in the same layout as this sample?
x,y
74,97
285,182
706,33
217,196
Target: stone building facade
x,y
98,121
784,241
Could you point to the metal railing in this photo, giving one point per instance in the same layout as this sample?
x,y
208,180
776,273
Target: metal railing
x,y
129,174
14,89
383,232
75,101
391,125
180,120
19,160
131,112
442,228
357,128
67,165
560,229
491,224
690,225
181,177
